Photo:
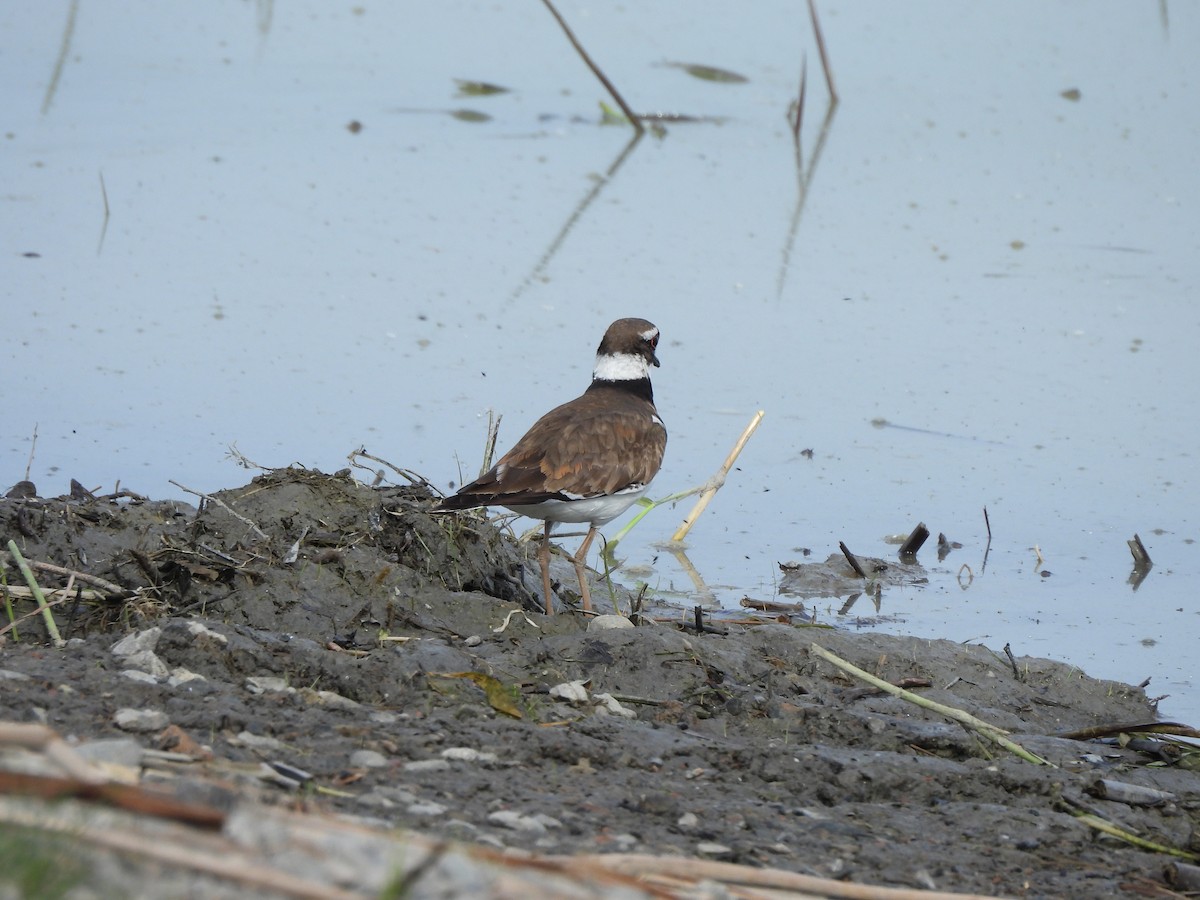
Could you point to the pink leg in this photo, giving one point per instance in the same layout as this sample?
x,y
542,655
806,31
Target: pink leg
x,y
580,559
544,561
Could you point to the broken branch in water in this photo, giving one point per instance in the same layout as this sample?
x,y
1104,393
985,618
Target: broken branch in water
x,y
853,560
914,541
633,117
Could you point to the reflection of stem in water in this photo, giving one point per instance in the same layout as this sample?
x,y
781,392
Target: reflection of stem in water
x,y
703,594
103,227
805,177
587,201
63,50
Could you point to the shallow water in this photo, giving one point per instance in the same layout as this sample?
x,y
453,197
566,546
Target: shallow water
x,y
1000,269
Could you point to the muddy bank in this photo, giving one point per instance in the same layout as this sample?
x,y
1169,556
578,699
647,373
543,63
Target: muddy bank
x,y
391,665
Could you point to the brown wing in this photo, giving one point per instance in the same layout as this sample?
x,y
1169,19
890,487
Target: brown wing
x,y
599,443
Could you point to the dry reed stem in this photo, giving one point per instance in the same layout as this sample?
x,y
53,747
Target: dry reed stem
x,y
985,729
718,480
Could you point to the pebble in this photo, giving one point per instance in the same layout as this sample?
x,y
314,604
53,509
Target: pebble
x,y
260,684
199,629
473,641
469,754
146,661
139,676
329,699
426,765
428,808
601,623
115,751
137,642
688,820
10,675
183,676
260,742
609,703
141,720
367,759
712,848
572,691
510,818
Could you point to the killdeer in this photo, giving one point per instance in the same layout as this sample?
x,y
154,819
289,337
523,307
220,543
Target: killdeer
x,y
588,460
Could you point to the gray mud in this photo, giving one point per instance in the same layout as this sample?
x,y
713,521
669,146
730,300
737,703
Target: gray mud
x,y
331,627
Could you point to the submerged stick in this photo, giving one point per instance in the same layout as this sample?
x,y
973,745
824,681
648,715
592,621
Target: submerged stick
x,y
43,606
992,732
918,537
1141,559
852,559
633,117
714,485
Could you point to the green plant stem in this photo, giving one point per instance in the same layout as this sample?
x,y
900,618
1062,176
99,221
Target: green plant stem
x,y
51,627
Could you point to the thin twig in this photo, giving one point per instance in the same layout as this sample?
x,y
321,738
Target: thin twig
x,y
715,484
225,506
106,586
633,118
43,606
32,447
833,94
412,477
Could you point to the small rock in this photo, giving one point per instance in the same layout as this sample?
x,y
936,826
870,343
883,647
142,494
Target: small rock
x,y
146,661
367,759
115,751
609,703
329,699
259,742
137,642
572,691
711,848
469,754
688,820
200,630
510,818
10,675
601,623
426,765
183,676
261,684
141,720
139,676
428,808
547,821
473,641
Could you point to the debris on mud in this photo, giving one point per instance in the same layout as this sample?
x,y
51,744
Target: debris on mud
x,y
309,644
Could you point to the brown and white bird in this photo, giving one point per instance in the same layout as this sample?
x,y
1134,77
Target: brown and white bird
x,y
588,460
